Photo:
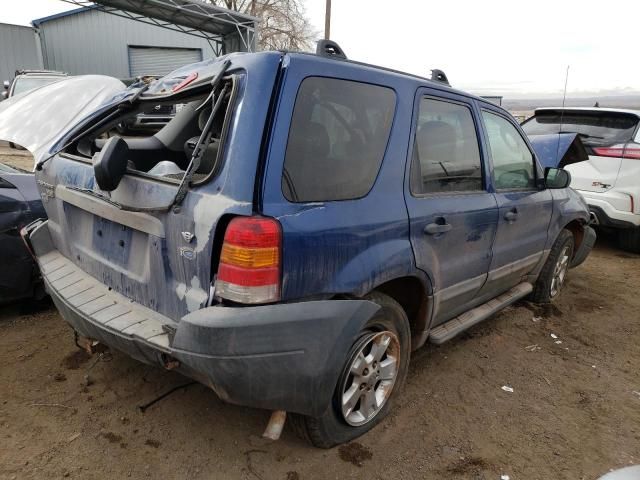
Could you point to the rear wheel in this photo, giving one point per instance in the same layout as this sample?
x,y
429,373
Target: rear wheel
x,y
629,239
554,272
374,371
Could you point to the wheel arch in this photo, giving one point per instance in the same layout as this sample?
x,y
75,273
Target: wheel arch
x,y
414,294
576,227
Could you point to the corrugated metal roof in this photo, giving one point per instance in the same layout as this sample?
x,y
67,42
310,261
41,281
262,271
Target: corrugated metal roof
x,y
193,16
38,21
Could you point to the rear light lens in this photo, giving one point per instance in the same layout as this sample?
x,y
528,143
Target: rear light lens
x,y
249,270
187,80
631,151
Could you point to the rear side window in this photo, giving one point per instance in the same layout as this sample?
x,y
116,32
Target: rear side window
x,y
596,128
338,136
446,157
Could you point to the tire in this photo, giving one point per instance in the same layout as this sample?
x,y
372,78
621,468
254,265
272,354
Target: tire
x,y
333,428
545,289
629,239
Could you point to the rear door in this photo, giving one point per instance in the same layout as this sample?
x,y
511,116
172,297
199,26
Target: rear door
x,y
524,209
453,216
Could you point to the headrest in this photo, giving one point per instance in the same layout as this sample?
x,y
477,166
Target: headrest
x,y
203,117
436,132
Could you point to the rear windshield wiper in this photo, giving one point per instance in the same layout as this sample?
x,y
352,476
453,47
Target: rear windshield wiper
x,y
205,136
123,105
198,152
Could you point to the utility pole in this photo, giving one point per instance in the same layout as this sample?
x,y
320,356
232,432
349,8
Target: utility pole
x,y
327,20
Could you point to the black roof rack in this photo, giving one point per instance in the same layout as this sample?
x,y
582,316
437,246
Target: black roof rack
x,y
329,49
439,76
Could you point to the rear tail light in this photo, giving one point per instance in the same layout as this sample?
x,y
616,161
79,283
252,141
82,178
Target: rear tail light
x,y
630,150
249,270
186,81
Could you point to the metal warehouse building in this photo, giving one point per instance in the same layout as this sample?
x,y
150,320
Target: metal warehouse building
x,y
18,49
89,40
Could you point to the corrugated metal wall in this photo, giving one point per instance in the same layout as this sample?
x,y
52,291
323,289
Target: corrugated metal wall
x,y
96,42
18,49
160,61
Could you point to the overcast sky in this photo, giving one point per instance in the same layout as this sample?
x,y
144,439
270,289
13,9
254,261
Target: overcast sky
x,y
510,48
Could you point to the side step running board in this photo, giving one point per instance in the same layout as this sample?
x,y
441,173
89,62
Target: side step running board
x,y
459,324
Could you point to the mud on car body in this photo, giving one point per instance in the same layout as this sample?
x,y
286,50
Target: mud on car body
x,y
298,228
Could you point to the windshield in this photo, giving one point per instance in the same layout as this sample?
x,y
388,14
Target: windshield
x,y
4,168
24,84
596,128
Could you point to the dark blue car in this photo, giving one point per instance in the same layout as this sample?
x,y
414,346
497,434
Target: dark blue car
x,y
299,228
20,205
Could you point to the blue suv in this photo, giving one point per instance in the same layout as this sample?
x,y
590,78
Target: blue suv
x,y
300,226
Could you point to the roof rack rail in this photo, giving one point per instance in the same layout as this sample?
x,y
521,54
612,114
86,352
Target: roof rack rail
x,y
23,71
439,76
329,49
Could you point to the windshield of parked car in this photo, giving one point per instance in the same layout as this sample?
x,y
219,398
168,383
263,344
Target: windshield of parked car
x,y
595,128
4,168
24,84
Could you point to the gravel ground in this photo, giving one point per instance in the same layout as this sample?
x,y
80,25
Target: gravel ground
x,y
574,412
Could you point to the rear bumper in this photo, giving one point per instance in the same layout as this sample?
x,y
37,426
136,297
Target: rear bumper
x,y
278,357
604,212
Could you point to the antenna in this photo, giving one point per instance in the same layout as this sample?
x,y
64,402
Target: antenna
x,y
566,80
564,97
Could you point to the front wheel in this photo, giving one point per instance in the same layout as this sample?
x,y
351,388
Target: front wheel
x,y
554,272
374,371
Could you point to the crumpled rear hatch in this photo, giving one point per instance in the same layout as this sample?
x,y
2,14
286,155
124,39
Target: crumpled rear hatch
x,y
136,239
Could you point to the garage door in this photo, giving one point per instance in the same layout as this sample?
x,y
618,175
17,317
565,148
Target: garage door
x,y
160,61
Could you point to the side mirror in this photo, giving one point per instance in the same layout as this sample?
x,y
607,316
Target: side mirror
x,y
6,84
556,178
110,163
3,95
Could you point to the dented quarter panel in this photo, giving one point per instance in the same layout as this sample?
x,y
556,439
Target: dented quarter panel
x,y
568,205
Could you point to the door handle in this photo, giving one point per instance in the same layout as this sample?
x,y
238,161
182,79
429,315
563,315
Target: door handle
x,y
511,215
436,228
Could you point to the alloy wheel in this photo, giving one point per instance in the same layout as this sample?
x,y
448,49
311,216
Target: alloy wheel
x,y
371,376
559,272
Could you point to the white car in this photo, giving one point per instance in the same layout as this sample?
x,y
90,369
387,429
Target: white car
x,y
610,179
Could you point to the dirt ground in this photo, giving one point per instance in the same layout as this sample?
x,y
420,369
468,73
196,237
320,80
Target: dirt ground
x,y
16,158
574,412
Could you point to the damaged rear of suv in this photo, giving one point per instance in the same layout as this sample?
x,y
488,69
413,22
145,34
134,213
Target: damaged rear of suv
x,y
297,229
